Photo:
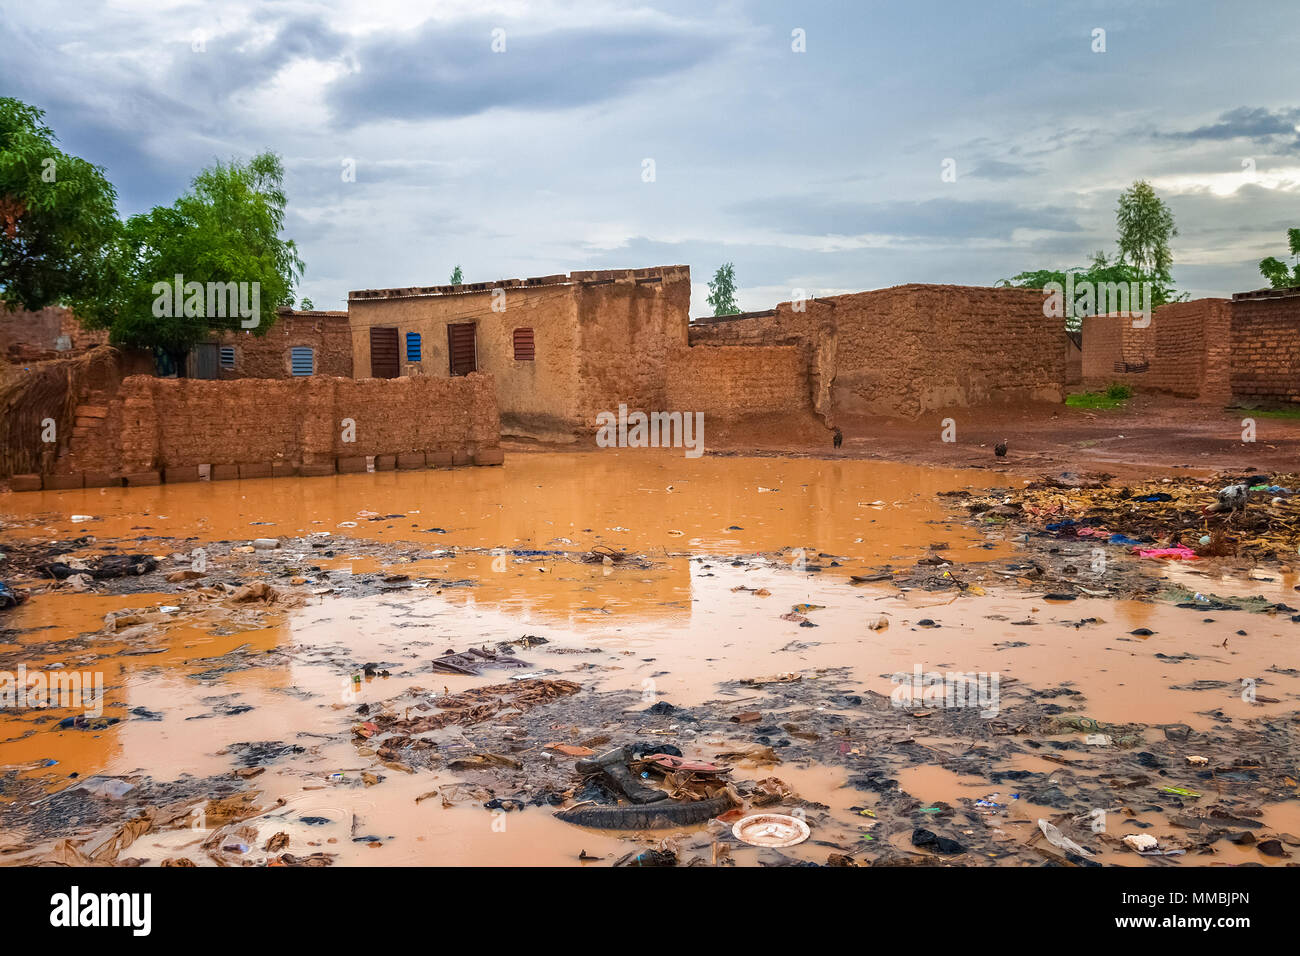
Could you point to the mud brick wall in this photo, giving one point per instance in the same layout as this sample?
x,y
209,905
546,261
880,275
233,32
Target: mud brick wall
x,y
1108,339
1185,333
328,334
1073,358
916,348
1187,348
174,423
628,330
810,329
1265,352
33,336
599,338
732,382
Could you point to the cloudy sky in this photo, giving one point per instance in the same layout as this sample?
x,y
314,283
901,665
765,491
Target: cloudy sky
x,y
817,170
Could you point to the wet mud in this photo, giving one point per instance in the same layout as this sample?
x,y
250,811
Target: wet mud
x,y
414,667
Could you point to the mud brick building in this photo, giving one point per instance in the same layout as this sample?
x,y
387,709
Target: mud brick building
x,y
560,348
298,344
1265,343
1185,350
45,334
1246,349
909,349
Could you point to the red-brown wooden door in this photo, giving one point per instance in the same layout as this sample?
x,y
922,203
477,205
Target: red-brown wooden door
x,y
462,346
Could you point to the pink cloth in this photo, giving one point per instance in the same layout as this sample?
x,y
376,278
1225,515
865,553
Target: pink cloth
x,y
1178,553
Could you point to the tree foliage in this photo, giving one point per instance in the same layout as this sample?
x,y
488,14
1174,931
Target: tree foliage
x,y
1276,271
722,290
1100,272
58,219
457,277
1145,227
225,229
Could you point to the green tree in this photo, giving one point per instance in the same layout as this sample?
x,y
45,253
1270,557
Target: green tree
x,y
306,305
58,219
1100,272
722,290
457,277
1145,227
1276,271
226,229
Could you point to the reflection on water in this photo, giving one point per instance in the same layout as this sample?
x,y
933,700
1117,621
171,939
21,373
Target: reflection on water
x,y
683,615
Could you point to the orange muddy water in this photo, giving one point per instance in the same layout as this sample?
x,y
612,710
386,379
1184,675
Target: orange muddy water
x,y
668,632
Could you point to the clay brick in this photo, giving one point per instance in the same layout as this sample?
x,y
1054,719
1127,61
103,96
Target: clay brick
x,y
64,482
352,465
181,423
461,456
410,460
143,478
91,411
316,469
25,482
261,469
102,479
490,456
283,469
184,473
440,459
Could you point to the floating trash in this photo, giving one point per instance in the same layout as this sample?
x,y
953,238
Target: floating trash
x,y
771,830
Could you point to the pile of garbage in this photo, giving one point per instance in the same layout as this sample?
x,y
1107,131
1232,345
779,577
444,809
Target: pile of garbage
x,y
1253,517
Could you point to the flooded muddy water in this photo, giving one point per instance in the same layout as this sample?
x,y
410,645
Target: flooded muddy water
x,y
728,569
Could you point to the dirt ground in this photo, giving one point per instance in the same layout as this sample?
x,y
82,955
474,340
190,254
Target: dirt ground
x,y
1150,433
411,667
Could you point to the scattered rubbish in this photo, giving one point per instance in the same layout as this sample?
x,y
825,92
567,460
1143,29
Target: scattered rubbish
x,y
8,598
472,661
569,750
1060,840
1141,842
770,830
927,839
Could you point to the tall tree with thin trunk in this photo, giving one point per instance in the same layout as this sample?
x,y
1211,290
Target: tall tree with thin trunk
x,y
722,290
1145,227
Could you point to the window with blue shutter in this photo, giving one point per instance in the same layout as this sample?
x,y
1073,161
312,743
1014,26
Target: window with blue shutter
x,y
413,346
302,360
227,356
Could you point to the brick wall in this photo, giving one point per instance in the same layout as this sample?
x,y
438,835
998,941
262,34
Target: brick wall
x,y
1265,350
1186,348
1073,358
327,334
1108,339
34,336
732,382
600,338
912,348
156,424
627,331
